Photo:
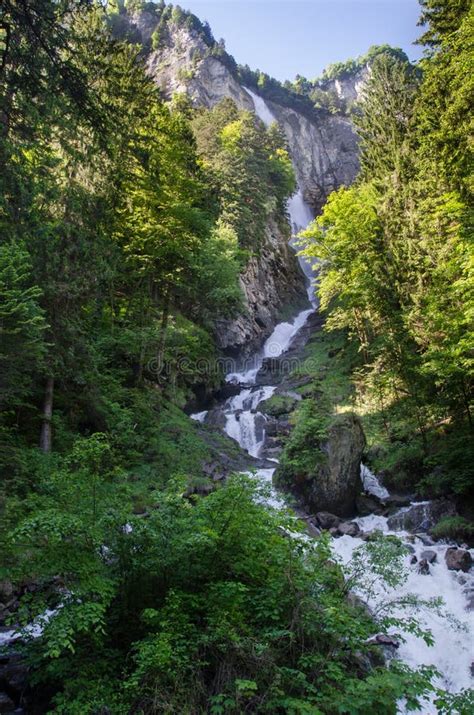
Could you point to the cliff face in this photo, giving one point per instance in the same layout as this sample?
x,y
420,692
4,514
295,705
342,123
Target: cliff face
x,y
349,88
271,281
184,64
324,151
324,154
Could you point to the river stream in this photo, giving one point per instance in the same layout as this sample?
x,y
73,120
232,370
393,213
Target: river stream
x,y
453,651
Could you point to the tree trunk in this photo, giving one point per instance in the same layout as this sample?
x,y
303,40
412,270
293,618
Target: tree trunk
x,y
45,436
164,324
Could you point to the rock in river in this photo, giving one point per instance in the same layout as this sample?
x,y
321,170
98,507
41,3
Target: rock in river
x,y
333,482
458,559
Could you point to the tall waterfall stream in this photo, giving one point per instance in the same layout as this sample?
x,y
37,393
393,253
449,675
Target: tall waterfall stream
x,y
453,651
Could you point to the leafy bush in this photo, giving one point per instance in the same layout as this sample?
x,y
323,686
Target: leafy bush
x,y
454,527
200,606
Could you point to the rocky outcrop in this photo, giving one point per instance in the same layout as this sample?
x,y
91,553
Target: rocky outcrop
x,y
421,516
324,152
271,280
184,64
349,88
334,482
458,559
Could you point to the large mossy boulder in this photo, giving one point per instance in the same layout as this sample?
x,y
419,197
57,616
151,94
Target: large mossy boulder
x,y
321,466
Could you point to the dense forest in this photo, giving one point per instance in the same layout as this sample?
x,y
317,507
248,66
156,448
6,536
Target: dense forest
x,y
126,221
396,259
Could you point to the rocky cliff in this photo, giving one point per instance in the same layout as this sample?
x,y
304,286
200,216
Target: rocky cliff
x,y
323,150
350,87
271,282
324,153
332,482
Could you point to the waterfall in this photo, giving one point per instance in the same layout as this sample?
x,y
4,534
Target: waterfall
x,y
299,210
261,108
452,653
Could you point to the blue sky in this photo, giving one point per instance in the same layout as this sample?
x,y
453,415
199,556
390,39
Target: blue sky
x,y
289,37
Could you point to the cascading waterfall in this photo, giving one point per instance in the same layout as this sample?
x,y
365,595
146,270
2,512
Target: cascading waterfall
x,y
452,653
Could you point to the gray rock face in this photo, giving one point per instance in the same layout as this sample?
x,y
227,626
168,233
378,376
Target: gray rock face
x,y
334,482
271,280
338,481
349,88
324,152
458,559
184,65
327,520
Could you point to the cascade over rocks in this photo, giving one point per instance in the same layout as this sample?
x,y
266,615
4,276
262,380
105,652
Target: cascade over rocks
x,y
421,516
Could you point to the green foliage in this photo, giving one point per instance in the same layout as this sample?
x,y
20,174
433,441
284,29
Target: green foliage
x,y
303,453
442,18
22,326
251,171
278,405
126,225
342,70
198,605
396,253
454,527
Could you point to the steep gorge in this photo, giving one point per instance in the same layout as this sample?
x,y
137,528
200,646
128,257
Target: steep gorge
x,y
323,151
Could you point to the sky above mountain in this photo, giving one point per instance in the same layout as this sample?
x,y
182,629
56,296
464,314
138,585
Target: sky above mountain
x,y
289,37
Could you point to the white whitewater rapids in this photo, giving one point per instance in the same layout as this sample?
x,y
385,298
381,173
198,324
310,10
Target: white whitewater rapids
x,y
453,650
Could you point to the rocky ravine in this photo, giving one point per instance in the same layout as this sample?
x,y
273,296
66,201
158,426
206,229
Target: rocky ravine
x,y
324,154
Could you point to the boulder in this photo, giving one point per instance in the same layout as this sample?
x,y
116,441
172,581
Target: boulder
x,y
423,567
326,520
458,559
429,556
312,529
348,528
368,504
332,482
